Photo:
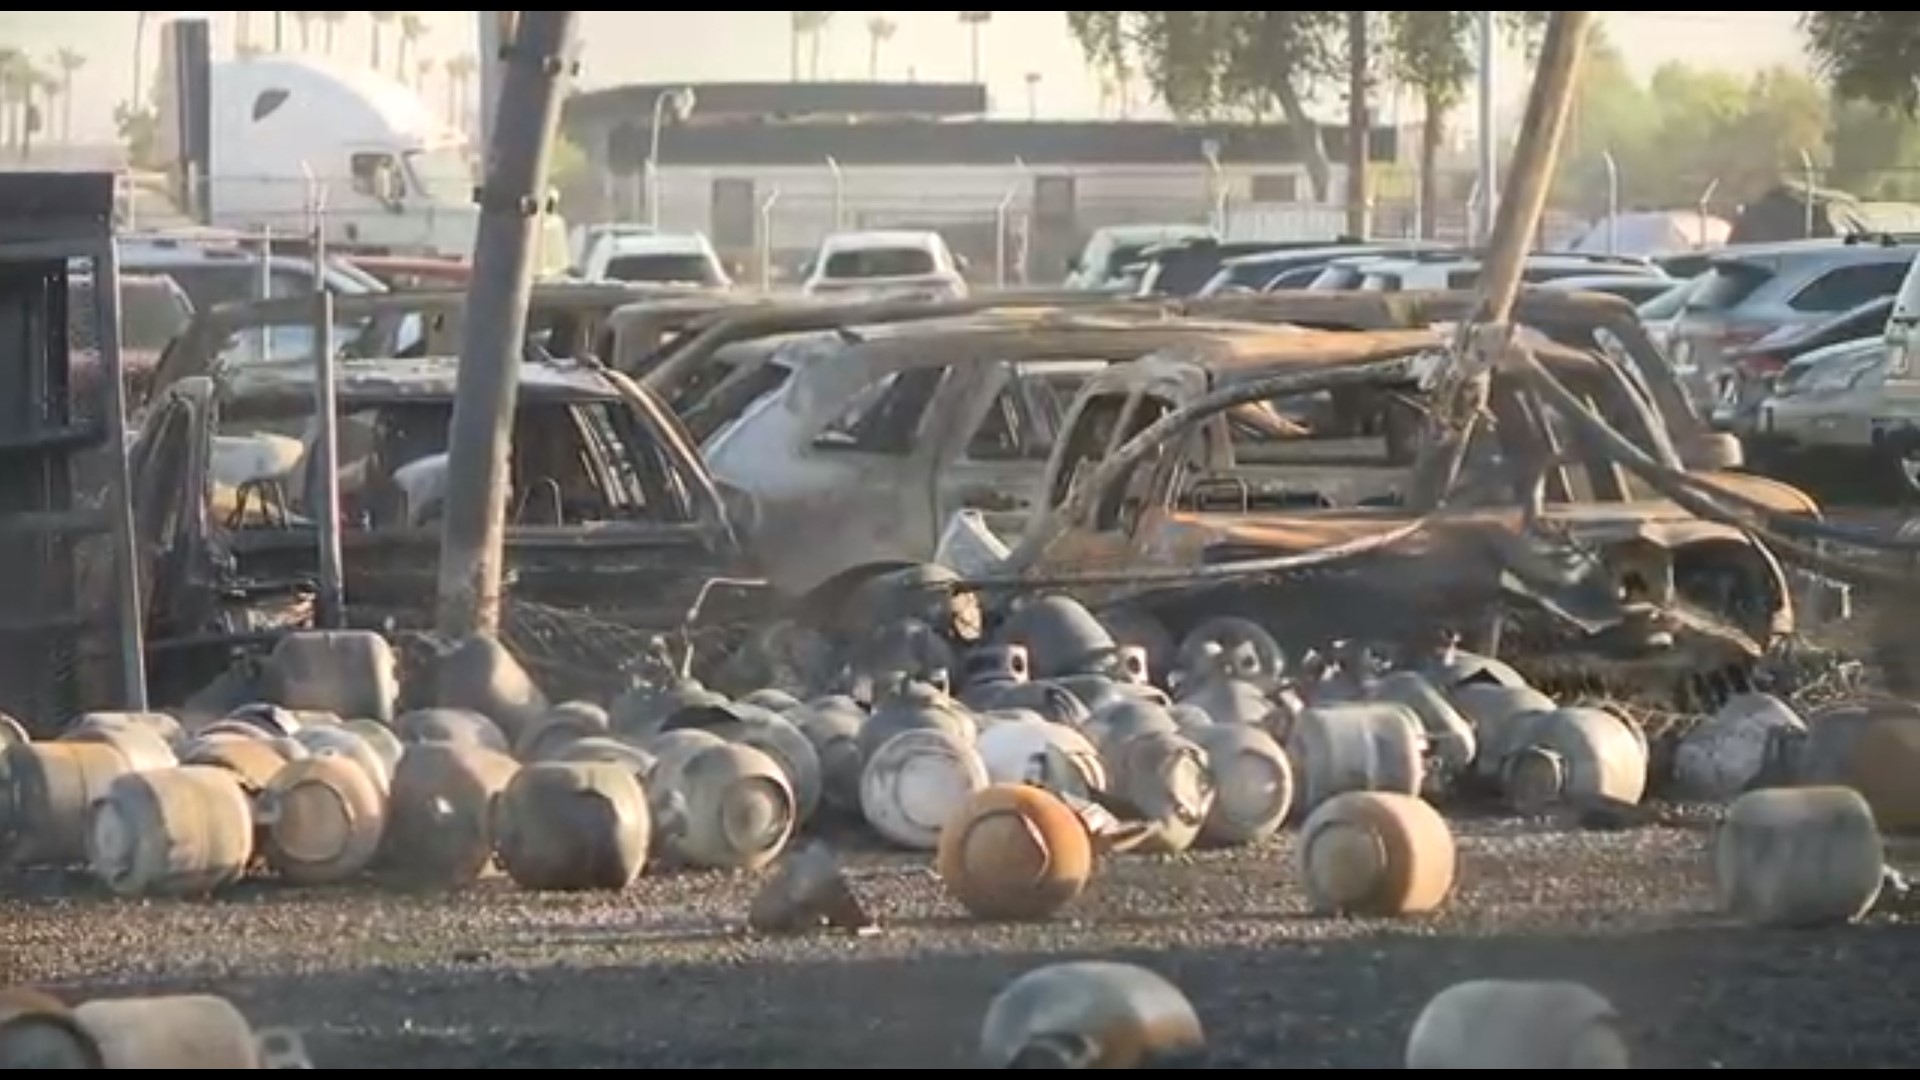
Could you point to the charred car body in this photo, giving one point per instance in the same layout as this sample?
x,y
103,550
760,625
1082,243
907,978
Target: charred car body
x,y
612,517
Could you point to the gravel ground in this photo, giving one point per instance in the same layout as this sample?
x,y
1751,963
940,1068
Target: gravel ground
x,y
660,976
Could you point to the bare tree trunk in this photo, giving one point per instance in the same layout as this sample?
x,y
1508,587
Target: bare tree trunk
x,y
1433,130
1359,124
1312,148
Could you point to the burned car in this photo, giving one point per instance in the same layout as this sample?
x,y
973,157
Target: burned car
x,y
1544,550
614,524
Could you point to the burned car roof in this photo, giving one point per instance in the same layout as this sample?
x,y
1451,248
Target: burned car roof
x,y
290,383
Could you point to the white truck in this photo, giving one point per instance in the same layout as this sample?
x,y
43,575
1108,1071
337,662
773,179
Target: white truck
x,y
291,136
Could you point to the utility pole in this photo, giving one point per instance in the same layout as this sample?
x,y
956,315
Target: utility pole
x,y
1485,336
1359,123
1489,185
494,326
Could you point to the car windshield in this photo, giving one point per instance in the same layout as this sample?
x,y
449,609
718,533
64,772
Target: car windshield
x,y
665,266
443,175
879,262
150,315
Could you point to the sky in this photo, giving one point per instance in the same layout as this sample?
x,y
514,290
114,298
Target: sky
x,y
656,46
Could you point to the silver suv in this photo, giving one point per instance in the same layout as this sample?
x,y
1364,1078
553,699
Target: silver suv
x,y
1749,291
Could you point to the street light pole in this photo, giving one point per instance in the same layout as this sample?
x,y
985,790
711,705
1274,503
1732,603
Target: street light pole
x,y
682,101
494,325
1489,147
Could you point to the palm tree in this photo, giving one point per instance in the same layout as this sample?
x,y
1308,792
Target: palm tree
x,y
10,61
816,37
304,19
974,21
422,71
460,71
379,21
880,30
70,63
413,27
329,27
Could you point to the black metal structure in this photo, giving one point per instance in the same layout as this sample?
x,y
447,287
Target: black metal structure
x,y
69,632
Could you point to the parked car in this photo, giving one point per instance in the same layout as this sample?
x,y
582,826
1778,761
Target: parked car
x,y
1262,272
1633,288
1750,372
1748,292
657,259
1817,424
1450,270
892,263
1112,248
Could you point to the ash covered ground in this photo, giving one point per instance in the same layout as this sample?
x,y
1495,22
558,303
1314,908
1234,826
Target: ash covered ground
x,y
660,976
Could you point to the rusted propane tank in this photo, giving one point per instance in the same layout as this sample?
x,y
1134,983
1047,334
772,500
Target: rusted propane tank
x,y
721,806
1252,784
1024,750
1798,857
347,672
1376,853
191,1031
1500,1024
1015,852
1356,746
1163,774
439,822
144,739
47,791
348,744
1575,756
601,748
184,831
1873,749
1724,753
39,1032
567,722
253,761
1091,1014
1451,745
459,727
918,781
321,819
571,826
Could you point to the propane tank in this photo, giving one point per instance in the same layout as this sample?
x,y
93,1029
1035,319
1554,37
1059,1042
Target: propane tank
x,y
832,725
1091,1014
1014,852
1060,635
1723,754
1234,647
1252,784
916,782
771,698
11,733
1122,718
913,707
1874,749
349,672
439,823
184,831
192,1031
1223,699
321,819
254,762
1164,775
1576,756
139,737
573,826
456,727
1450,743
721,806
640,712
989,670
481,675
771,734
1376,853
1499,1024
1052,701
47,791
380,739
1798,857
269,720
1356,746
1500,714
1024,751
566,722
348,744
39,1032
609,751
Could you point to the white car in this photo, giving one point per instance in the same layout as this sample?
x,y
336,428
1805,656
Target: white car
x,y
657,258
905,264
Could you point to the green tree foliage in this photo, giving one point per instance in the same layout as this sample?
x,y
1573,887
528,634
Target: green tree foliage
x,y
1871,56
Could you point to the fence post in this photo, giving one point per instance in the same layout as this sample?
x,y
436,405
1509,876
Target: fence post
x,y
1705,200
766,237
1613,201
1806,165
839,194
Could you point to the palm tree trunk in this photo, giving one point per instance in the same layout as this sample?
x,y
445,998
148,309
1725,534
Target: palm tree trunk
x,y
66,107
1433,130
813,60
